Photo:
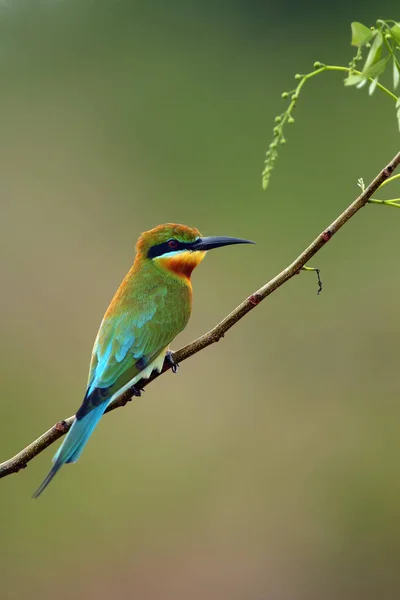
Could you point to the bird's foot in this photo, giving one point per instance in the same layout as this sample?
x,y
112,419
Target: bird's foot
x,y
172,363
133,392
136,391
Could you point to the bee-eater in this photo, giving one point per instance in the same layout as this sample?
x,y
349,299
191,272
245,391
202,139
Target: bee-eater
x,y
150,308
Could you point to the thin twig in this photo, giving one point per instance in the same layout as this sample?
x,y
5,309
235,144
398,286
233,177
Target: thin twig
x,y
20,460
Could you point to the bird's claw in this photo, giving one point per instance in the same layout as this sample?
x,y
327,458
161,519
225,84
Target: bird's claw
x,y
172,363
137,392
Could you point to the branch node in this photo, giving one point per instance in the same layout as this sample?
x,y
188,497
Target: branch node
x,y
326,235
60,426
388,170
254,299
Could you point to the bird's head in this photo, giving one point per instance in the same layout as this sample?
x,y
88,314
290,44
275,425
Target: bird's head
x,y
179,248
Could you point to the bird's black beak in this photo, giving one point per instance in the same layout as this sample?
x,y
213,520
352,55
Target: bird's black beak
x,y
208,243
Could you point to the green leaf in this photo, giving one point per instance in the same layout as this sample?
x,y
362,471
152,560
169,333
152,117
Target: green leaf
x,y
372,86
375,52
398,111
395,33
360,34
376,69
396,74
353,79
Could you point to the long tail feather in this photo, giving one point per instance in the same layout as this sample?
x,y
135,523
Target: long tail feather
x,y
74,443
46,480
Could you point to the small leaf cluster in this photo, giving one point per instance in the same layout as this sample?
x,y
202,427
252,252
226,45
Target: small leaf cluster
x,y
286,118
383,45
279,138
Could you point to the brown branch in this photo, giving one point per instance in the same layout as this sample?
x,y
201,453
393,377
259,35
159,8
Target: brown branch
x,y
20,460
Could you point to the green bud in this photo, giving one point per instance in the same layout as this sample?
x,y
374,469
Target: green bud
x,y
298,76
276,131
290,120
294,97
283,141
278,119
317,64
285,95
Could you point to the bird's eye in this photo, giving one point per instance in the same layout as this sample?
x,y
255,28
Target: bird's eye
x,y
173,244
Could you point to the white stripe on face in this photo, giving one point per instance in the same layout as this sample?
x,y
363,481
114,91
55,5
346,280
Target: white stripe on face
x,y
172,253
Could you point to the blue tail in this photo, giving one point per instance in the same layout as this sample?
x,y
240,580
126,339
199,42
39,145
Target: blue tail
x,y
73,445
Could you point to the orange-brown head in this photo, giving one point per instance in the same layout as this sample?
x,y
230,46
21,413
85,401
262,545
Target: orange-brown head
x,y
178,248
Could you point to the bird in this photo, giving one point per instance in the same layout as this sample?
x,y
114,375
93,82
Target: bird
x,y
149,309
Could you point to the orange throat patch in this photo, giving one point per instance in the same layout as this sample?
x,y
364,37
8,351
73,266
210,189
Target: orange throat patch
x,y
182,264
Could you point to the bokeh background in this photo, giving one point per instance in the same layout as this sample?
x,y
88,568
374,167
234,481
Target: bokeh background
x,y
269,467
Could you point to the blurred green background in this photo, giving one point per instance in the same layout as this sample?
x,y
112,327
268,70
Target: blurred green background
x,y
269,467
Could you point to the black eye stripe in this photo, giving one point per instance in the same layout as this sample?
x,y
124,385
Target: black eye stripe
x,y
164,248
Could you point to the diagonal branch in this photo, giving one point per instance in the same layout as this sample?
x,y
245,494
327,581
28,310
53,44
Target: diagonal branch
x,y
20,460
